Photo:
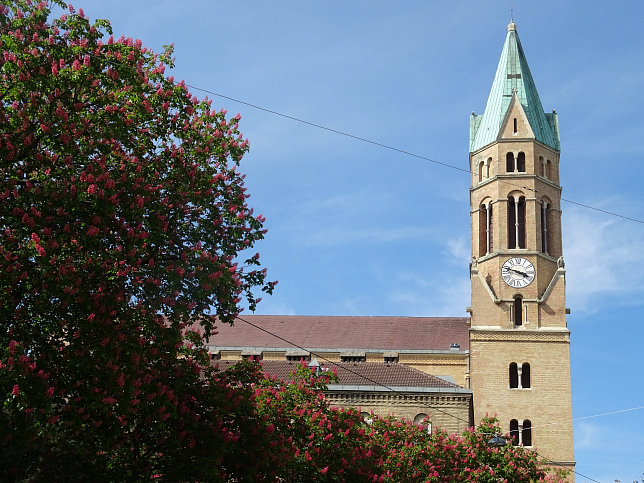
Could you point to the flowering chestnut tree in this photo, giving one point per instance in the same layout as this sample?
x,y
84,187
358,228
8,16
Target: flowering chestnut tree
x,y
122,217
316,442
123,224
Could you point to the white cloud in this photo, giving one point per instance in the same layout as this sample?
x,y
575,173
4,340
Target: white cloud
x,y
459,250
586,435
444,291
602,260
435,296
341,235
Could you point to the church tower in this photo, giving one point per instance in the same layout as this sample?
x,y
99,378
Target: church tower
x,y
519,340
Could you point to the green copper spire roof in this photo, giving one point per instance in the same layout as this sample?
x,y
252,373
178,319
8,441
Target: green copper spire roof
x,y
513,75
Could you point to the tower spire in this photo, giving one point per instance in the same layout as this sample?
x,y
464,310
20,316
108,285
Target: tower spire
x,y
513,73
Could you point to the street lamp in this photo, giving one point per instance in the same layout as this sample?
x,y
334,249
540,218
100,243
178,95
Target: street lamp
x,y
497,441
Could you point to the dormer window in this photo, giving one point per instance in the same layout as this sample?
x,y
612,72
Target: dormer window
x,y
298,355
252,355
390,357
353,356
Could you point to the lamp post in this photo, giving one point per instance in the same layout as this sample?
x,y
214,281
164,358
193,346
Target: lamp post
x,y
497,441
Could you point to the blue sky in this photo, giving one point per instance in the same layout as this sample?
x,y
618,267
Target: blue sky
x,y
355,229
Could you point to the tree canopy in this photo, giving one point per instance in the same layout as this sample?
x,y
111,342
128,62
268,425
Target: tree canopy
x,y
122,218
124,234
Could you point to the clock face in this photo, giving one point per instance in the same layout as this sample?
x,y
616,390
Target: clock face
x,y
518,272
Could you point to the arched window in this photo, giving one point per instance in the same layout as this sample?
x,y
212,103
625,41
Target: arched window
x,y
517,311
481,171
548,169
485,229
515,125
525,375
521,162
516,222
487,167
545,225
482,230
541,166
514,376
514,432
420,418
509,163
526,433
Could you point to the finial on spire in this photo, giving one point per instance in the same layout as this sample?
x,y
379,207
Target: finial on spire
x,y
512,25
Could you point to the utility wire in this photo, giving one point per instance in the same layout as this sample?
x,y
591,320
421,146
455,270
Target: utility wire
x,y
393,148
346,368
407,153
548,461
369,141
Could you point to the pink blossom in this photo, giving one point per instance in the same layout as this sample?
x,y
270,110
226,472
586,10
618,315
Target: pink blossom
x,y
16,390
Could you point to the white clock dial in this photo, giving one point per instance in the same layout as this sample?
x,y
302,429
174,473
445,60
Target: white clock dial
x,y
517,272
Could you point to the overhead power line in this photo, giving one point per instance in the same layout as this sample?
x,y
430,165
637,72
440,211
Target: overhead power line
x,y
548,461
393,148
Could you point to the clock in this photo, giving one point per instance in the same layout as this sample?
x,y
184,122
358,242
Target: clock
x,y
517,272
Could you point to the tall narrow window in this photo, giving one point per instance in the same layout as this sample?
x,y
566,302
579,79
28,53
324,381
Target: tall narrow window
x,y
526,433
521,162
516,222
544,226
509,163
490,243
548,169
541,166
483,230
514,375
514,432
525,375
515,125
521,222
480,171
512,223
487,167
517,311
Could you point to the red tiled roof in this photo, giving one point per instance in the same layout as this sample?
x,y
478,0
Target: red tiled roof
x,y
361,374
343,332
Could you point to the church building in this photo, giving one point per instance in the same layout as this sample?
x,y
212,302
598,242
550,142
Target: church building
x,y
511,356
